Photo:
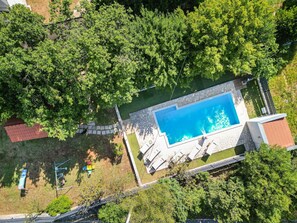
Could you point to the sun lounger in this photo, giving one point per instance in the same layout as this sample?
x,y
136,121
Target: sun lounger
x,y
154,152
211,148
177,157
145,148
194,152
158,162
206,142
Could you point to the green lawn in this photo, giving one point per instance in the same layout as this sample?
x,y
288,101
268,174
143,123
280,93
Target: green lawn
x,y
283,88
252,99
145,177
155,96
39,156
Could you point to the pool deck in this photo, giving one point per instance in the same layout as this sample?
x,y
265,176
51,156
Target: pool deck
x,y
143,124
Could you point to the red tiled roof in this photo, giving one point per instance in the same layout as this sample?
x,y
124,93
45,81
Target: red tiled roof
x,y
21,132
278,133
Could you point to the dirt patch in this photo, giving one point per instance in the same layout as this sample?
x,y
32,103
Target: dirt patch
x,y
41,7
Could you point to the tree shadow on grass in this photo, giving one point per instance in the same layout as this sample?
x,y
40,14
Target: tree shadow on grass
x,y
39,156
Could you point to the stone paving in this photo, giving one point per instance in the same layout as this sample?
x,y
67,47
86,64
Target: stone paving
x,y
93,129
143,124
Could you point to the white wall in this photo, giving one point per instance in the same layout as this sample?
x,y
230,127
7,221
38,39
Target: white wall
x,y
257,136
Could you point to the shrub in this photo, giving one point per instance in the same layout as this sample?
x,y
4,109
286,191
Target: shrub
x,y
59,205
112,213
118,152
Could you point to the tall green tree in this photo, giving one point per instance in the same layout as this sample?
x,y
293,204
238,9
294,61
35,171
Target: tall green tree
x,y
236,36
20,32
226,200
287,23
20,28
107,51
63,82
270,181
159,46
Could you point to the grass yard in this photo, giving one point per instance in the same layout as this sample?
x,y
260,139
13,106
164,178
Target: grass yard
x,y
145,177
39,156
252,99
155,96
283,88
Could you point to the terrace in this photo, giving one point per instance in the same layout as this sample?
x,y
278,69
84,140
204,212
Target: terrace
x,y
146,130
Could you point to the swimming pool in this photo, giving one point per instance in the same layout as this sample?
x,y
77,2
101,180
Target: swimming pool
x,y
210,115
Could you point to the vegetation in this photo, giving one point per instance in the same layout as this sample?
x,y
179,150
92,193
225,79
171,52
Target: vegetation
x,y
262,190
283,90
59,205
154,205
252,99
231,38
270,181
112,213
110,54
287,22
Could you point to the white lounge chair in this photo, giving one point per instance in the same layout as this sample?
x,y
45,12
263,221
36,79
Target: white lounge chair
x,y
177,157
158,162
206,142
211,148
194,152
154,152
145,148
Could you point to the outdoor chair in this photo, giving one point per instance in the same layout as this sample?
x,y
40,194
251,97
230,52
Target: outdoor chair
x,y
158,162
146,147
154,152
211,148
177,157
194,152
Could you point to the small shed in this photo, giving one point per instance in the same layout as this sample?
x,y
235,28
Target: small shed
x,y
18,131
272,130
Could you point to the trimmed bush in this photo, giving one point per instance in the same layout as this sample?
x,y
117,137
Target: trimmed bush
x,y
59,205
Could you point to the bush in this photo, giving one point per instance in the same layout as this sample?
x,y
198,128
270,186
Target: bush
x,y
112,213
118,152
59,205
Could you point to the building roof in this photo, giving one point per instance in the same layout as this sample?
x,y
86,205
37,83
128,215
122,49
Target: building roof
x,y
4,6
18,131
278,132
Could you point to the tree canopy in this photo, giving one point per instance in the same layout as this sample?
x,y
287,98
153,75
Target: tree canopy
x,y
60,75
159,43
270,180
236,36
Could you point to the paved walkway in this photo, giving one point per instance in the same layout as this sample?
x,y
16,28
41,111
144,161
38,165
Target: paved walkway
x,y
93,129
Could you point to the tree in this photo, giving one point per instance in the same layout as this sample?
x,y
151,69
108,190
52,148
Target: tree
x,y
159,45
232,36
108,54
112,213
152,205
287,23
61,83
226,200
20,28
180,213
270,181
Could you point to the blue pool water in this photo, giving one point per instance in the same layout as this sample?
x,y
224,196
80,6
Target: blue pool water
x,y
207,116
